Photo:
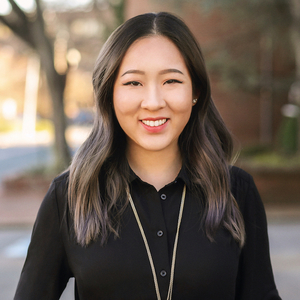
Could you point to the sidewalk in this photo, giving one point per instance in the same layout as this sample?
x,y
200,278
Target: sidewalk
x,y
19,208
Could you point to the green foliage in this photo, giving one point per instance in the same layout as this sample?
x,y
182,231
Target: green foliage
x,y
41,171
16,125
44,125
118,7
264,157
288,135
255,150
10,125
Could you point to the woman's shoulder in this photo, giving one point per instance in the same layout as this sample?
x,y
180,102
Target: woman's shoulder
x,y
237,173
239,178
58,189
55,201
62,178
60,186
243,187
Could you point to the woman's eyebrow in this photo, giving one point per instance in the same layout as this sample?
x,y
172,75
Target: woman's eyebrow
x,y
133,72
166,71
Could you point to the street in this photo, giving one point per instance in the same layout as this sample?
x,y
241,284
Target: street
x,y
284,244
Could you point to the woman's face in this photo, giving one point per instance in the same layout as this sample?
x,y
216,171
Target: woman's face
x,y
152,94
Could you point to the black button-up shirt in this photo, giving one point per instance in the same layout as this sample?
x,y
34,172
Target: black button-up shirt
x,y
204,270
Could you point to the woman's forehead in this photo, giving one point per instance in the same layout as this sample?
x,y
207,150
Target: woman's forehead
x,y
153,51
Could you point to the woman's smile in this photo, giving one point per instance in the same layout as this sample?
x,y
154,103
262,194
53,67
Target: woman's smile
x,y
155,123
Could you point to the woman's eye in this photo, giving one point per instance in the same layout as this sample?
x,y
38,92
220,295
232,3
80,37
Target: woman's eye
x,y
132,83
170,81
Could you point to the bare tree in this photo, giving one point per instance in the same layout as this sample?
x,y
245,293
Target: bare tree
x,y
31,29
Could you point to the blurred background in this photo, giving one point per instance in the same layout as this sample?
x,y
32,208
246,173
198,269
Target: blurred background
x,y
47,53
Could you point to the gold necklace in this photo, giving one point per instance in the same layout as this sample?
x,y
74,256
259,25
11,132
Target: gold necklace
x,y
169,297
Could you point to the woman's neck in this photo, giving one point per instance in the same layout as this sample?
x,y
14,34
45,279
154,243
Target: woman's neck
x,y
157,168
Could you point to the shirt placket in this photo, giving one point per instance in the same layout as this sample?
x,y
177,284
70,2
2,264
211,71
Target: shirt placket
x,y
152,218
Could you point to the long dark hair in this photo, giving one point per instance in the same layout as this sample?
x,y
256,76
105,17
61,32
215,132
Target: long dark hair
x,y
99,171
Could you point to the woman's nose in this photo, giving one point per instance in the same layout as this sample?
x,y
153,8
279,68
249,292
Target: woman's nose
x,y
153,99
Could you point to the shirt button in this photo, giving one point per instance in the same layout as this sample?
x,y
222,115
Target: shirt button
x,y
163,273
160,233
163,196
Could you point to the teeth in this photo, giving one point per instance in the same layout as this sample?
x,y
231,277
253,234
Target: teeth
x,y
154,123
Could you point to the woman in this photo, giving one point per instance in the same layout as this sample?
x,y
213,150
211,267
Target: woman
x,y
150,208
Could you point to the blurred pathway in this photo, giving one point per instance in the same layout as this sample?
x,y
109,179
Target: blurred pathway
x,y
19,153
13,248
285,256
14,160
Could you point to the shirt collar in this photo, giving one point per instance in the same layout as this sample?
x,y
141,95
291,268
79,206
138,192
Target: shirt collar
x,y
183,175
132,175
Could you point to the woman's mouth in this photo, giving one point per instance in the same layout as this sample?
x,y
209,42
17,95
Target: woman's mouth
x,y
155,123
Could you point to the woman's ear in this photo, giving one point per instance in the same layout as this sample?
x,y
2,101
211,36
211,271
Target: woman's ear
x,y
195,97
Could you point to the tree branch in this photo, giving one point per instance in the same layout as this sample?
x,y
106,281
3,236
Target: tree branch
x,y
5,22
19,11
39,14
19,30
18,22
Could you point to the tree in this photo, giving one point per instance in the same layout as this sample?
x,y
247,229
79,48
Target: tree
x,y
31,29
